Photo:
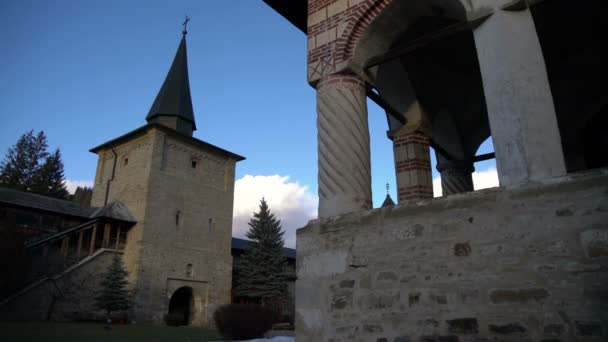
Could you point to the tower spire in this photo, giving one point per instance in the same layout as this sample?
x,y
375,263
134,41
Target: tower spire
x,y
388,201
173,104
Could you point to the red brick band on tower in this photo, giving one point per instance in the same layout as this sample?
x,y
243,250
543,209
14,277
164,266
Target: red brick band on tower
x,y
413,166
343,142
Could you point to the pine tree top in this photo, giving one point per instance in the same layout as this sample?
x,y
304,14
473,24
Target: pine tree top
x,y
28,166
265,228
260,270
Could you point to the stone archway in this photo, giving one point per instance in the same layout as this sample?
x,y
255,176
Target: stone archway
x,y
181,305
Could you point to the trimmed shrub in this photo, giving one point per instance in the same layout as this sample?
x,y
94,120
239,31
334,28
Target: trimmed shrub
x,y
243,321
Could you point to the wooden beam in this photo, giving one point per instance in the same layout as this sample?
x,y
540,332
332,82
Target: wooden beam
x,y
65,246
117,237
79,246
424,40
93,234
106,235
384,105
483,157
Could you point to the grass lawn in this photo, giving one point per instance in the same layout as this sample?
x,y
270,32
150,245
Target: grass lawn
x,y
95,332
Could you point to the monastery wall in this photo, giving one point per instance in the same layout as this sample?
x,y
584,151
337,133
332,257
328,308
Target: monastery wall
x,y
182,196
523,263
128,182
189,222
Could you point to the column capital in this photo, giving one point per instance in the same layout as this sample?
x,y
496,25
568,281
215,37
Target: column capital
x,y
343,80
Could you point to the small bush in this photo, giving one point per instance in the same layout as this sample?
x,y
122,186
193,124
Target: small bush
x,y
243,321
174,319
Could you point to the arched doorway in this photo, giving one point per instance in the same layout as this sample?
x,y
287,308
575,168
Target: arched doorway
x,y
180,306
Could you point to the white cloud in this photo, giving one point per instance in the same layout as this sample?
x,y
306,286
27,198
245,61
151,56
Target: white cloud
x,y
485,179
73,184
481,180
291,202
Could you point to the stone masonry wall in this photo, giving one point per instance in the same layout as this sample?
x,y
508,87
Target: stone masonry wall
x,y
201,236
518,264
182,197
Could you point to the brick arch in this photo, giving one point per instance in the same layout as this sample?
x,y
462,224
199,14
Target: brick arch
x,y
360,18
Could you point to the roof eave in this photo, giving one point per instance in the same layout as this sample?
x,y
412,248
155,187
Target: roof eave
x,y
144,128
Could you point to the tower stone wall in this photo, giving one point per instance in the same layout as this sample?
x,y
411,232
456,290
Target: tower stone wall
x,y
181,193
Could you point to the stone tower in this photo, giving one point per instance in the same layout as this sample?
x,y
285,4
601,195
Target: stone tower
x,y
181,191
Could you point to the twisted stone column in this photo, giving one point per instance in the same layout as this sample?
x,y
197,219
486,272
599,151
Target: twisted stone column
x,y
343,142
456,176
413,165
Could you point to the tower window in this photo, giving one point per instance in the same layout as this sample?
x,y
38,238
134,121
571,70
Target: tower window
x,y
177,217
125,161
189,271
193,163
210,226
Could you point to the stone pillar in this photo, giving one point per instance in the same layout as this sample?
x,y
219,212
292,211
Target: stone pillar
x,y
412,165
456,176
520,105
343,145
106,235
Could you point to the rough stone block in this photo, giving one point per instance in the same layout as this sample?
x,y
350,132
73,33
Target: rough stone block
x,y
553,329
448,338
341,300
588,328
347,284
372,328
401,339
511,328
517,296
438,298
463,326
413,298
462,249
390,277
595,242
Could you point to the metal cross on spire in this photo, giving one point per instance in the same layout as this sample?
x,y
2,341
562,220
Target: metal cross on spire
x,y
387,188
185,23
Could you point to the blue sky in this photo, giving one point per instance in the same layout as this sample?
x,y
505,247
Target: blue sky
x,y
88,71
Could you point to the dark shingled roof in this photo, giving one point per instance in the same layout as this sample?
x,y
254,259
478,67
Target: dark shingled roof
x,y
242,244
174,97
115,210
143,129
35,201
388,201
296,11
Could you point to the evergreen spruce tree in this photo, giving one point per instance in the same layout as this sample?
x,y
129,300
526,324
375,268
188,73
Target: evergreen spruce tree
x,y
83,196
261,269
29,167
49,180
114,295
